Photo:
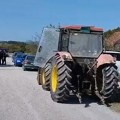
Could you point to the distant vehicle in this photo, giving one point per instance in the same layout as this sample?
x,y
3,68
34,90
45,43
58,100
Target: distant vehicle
x,y
28,63
15,54
24,55
18,60
116,55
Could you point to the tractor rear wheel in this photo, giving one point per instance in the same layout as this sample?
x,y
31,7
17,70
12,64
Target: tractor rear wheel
x,y
60,82
45,77
109,81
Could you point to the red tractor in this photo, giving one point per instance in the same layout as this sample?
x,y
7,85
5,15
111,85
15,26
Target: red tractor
x,y
71,59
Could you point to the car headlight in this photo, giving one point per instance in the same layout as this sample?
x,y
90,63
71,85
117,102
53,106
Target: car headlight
x,y
18,60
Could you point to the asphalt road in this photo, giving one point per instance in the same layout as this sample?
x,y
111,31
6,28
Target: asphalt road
x,y
21,98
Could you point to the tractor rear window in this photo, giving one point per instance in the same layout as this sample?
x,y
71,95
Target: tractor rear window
x,y
85,45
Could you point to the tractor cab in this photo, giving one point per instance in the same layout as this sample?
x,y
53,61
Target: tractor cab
x,y
85,42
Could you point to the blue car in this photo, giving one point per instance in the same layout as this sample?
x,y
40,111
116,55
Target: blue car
x,y
19,59
15,54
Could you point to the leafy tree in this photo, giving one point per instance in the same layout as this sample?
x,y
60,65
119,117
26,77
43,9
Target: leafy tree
x,y
27,47
108,34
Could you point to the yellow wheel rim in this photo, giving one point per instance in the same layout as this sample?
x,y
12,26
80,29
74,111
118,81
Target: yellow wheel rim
x,y
43,77
54,79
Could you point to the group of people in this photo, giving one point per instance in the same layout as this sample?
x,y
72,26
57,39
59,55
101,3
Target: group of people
x,y
3,56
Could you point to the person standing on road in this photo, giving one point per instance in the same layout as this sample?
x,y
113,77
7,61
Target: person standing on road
x,y
1,56
4,57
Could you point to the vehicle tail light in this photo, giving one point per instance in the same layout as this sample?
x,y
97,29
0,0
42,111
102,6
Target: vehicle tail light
x,y
26,61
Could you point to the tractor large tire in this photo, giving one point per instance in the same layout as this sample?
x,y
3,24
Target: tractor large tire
x,y
60,82
109,82
45,77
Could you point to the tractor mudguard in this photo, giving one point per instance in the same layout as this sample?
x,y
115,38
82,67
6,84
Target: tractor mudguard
x,y
105,59
65,56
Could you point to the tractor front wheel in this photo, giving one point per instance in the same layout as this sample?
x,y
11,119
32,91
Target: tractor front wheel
x,y
45,77
38,77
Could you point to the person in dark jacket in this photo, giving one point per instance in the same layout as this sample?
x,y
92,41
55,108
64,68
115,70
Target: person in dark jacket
x,y
1,56
4,57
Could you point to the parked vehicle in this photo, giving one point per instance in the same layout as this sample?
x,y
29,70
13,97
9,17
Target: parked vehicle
x,y
28,63
19,58
71,59
15,54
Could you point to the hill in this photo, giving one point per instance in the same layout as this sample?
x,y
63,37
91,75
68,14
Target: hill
x,y
27,47
112,39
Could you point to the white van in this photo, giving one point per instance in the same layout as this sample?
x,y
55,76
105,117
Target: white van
x,y
117,56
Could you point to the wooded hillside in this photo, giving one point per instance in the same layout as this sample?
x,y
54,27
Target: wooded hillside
x,y
27,47
112,39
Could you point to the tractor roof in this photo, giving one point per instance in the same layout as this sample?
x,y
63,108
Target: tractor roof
x,y
77,27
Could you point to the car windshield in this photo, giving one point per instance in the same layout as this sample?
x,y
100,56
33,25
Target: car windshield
x,y
30,58
19,56
85,45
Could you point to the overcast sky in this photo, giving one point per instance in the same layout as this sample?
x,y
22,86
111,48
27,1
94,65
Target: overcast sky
x,y
22,19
